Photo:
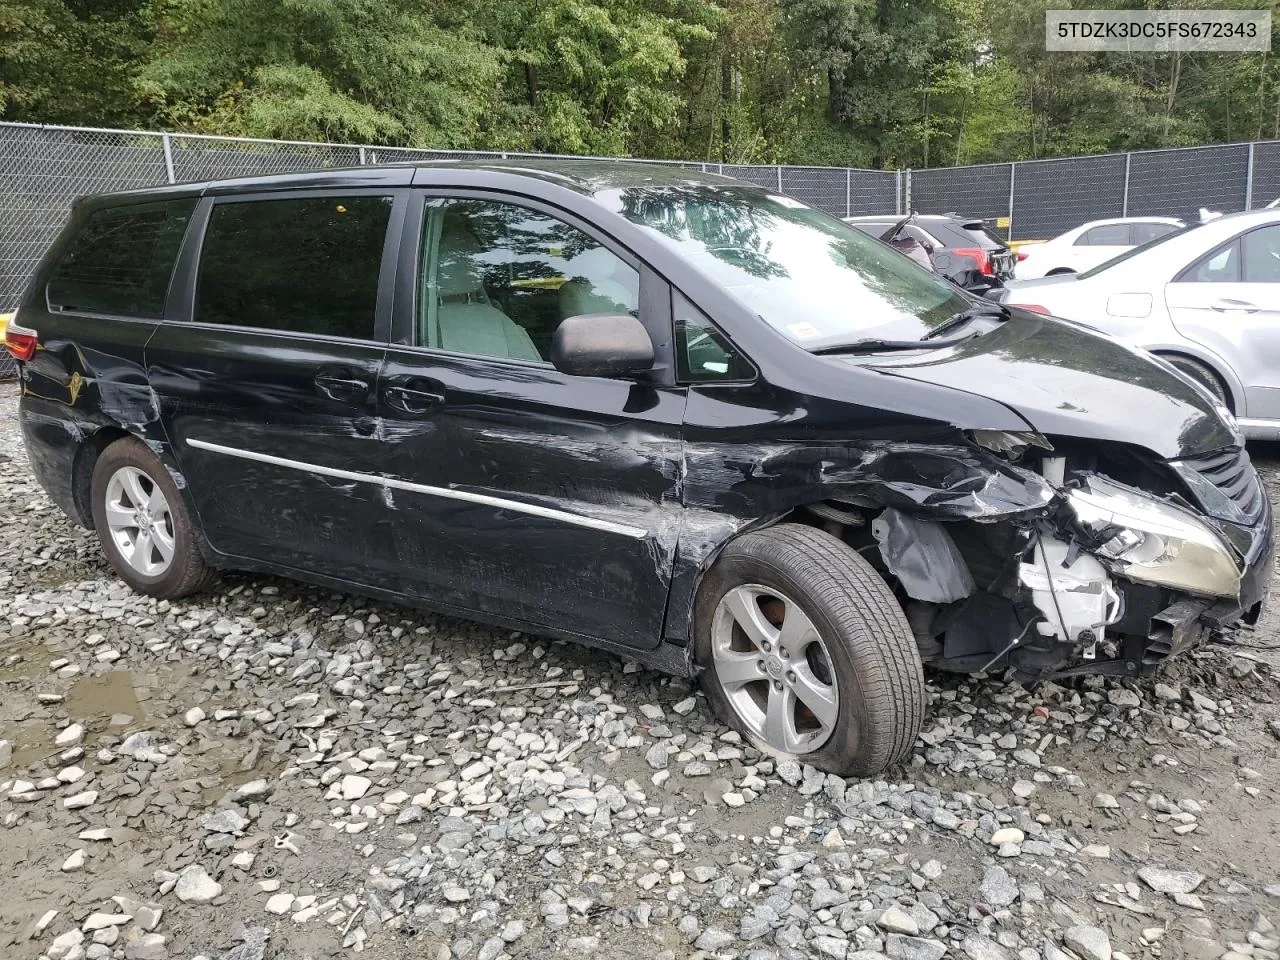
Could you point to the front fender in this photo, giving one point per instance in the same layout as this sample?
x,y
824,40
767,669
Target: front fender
x,y
731,490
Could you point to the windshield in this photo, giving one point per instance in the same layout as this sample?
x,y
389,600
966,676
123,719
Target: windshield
x,y
812,277
1134,251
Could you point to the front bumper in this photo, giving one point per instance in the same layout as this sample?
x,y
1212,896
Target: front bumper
x,y
1188,621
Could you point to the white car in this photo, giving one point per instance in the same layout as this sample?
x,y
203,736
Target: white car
x,y
1205,298
1090,244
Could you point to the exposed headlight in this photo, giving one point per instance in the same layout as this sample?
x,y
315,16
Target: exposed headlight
x,y
1155,542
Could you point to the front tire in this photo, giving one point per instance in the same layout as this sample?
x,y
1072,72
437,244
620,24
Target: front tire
x,y
143,524
805,651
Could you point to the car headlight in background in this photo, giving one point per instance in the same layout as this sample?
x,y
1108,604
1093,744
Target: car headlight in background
x,y
1155,542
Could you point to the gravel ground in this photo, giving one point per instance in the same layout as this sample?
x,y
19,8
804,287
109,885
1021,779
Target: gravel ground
x,y
272,770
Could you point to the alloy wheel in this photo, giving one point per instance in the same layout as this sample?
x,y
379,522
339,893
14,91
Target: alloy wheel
x,y
774,669
139,521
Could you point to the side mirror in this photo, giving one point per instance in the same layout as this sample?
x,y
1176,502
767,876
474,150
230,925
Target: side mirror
x,y
601,345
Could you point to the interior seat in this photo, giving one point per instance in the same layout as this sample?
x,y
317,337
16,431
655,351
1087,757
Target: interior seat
x,y
466,321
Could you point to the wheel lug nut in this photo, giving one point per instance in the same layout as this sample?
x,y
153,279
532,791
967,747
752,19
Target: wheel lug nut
x,y
760,666
791,676
782,652
777,684
765,646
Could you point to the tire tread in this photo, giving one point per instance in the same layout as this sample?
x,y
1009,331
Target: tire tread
x,y
890,675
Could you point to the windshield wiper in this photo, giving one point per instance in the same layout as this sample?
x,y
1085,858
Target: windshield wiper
x,y
964,316
876,345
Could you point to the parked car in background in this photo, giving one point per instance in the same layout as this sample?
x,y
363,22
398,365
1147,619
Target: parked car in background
x,y
963,250
668,414
1090,244
1205,298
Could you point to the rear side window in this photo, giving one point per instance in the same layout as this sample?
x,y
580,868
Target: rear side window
x,y
120,260
1219,266
305,265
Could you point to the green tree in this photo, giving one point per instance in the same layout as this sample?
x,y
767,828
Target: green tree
x,y
591,77
70,62
380,71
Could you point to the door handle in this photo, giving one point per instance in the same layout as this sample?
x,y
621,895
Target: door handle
x,y
341,385
414,395
1223,304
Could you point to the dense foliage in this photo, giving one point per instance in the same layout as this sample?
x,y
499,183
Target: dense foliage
x,y
859,82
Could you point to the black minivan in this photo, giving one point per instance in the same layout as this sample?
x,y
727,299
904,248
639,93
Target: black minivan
x,y
671,415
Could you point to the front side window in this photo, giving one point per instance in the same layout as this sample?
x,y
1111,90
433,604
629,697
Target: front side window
x,y
1146,232
121,260
304,265
819,281
504,276
1137,251
1261,255
1106,235
703,353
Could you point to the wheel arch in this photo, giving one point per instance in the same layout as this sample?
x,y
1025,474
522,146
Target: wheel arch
x,y
1216,365
82,470
699,551
87,457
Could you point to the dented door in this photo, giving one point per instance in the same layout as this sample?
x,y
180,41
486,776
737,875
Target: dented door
x,y
267,381
532,495
515,491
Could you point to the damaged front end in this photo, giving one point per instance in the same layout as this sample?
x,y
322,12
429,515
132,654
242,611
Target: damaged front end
x,y
1125,561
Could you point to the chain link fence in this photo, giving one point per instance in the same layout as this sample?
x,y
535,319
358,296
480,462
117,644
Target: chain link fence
x,y
1039,199
43,169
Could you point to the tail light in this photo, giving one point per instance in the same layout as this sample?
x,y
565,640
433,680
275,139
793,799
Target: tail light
x,y
1022,256
1031,307
980,257
19,340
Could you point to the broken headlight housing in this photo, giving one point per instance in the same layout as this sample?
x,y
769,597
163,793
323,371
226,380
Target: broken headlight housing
x,y
1155,542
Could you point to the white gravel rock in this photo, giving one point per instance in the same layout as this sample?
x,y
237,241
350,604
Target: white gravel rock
x,y
1162,880
897,920
69,735
194,885
354,786
1088,942
1007,835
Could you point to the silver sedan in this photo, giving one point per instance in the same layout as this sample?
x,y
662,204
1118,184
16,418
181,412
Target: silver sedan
x,y
1205,298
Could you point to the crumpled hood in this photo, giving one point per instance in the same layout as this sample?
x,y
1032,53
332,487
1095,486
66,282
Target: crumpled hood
x,y
1068,381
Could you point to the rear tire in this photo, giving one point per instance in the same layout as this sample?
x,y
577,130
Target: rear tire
x,y
1059,272
855,636
1201,374
143,525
